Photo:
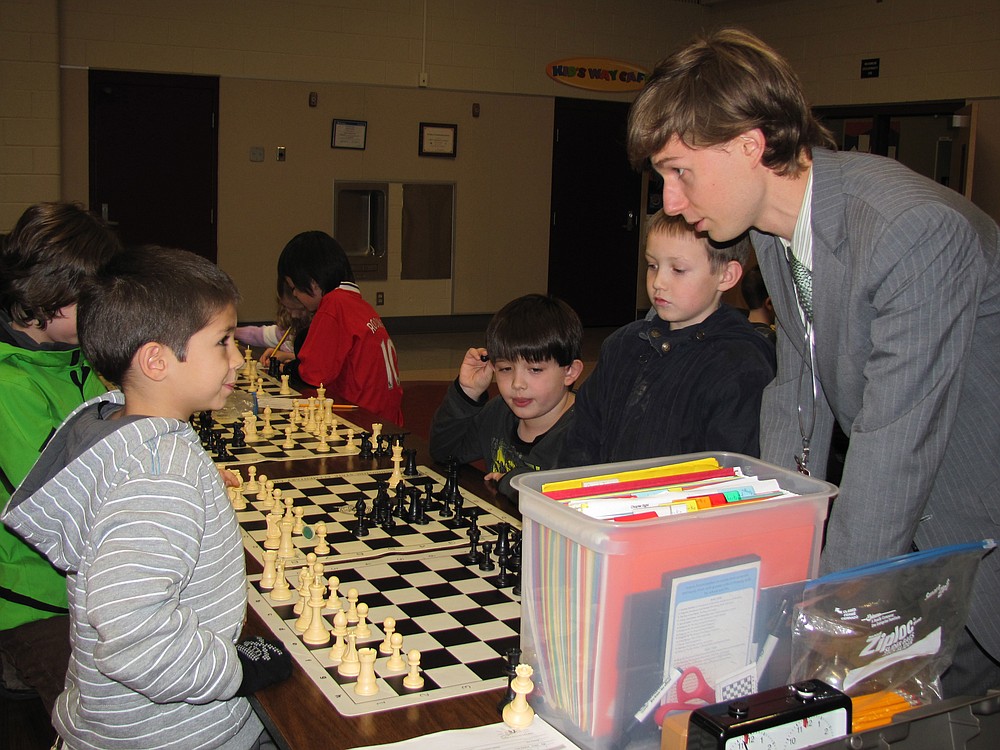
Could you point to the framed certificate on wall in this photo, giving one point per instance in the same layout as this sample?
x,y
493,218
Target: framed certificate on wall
x,y
438,139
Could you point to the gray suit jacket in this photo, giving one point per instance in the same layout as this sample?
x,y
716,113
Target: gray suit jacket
x,y
906,299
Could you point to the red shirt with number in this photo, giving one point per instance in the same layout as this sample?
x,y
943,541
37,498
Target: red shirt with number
x,y
349,352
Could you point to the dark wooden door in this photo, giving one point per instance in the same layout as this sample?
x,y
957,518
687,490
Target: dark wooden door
x,y
154,156
594,235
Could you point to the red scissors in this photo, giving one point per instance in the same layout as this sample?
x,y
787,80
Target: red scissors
x,y
693,691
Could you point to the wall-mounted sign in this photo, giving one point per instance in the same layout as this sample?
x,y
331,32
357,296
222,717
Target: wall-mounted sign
x,y
598,74
869,67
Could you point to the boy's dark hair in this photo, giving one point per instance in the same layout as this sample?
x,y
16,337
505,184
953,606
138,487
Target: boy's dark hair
x,y
753,288
145,294
48,257
535,328
719,253
718,87
314,256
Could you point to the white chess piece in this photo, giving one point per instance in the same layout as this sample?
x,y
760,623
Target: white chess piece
x,y
350,665
263,494
518,714
284,390
388,627
268,429
316,634
333,602
362,628
366,684
322,548
352,605
413,680
339,647
281,592
396,663
269,574
289,444
286,549
251,485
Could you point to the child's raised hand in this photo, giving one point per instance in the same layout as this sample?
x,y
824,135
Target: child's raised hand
x,y
476,373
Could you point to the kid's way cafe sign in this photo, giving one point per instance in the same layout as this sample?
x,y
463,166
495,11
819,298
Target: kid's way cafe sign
x,y
598,74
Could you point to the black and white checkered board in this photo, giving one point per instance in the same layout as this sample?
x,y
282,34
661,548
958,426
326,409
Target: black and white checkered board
x,y
453,613
331,498
270,447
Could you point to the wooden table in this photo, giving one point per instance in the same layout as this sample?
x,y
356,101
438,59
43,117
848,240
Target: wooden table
x,y
296,712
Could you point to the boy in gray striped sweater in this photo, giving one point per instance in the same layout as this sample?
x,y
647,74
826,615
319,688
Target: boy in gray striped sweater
x,y
127,503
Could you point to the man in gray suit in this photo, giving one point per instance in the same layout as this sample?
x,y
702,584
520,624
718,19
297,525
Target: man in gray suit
x,y
890,326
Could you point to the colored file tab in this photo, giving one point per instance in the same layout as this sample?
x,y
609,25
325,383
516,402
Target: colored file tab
x,y
654,472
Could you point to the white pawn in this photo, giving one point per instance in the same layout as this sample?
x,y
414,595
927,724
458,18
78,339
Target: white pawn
x,y
269,574
252,485
334,601
413,680
339,647
366,684
350,665
362,628
289,443
268,428
395,662
388,627
263,493
281,592
351,447
322,548
324,446
518,714
352,606
305,578
300,524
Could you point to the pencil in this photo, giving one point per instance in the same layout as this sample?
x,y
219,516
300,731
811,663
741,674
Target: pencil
x,y
282,339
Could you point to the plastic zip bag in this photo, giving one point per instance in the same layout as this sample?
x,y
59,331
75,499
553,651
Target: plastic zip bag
x,y
889,625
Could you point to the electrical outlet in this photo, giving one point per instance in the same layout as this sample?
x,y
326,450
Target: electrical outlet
x,y
379,298
281,153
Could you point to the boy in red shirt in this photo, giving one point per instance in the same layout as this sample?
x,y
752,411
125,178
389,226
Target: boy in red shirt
x,y
347,350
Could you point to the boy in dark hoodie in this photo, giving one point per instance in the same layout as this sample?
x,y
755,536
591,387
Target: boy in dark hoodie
x,y
686,379
125,500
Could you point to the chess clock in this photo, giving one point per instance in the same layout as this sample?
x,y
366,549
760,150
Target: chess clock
x,y
801,715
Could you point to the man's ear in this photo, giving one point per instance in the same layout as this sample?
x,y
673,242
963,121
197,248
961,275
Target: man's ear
x,y
153,360
751,144
573,371
732,272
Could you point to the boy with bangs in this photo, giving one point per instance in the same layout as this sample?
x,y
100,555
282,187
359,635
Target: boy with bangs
x,y
533,347
686,379
127,503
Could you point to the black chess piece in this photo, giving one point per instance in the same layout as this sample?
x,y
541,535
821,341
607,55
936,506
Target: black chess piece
x,y
366,445
511,659
474,555
239,437
486,559
410,467
222,450
361,511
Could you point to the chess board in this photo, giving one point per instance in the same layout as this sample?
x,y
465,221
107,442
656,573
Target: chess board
x,y
455,614
332,499
271,447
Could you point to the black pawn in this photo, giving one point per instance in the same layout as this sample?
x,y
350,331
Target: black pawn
x,y
486,559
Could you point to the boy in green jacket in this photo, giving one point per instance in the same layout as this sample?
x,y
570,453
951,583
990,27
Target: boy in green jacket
x,y
49,255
